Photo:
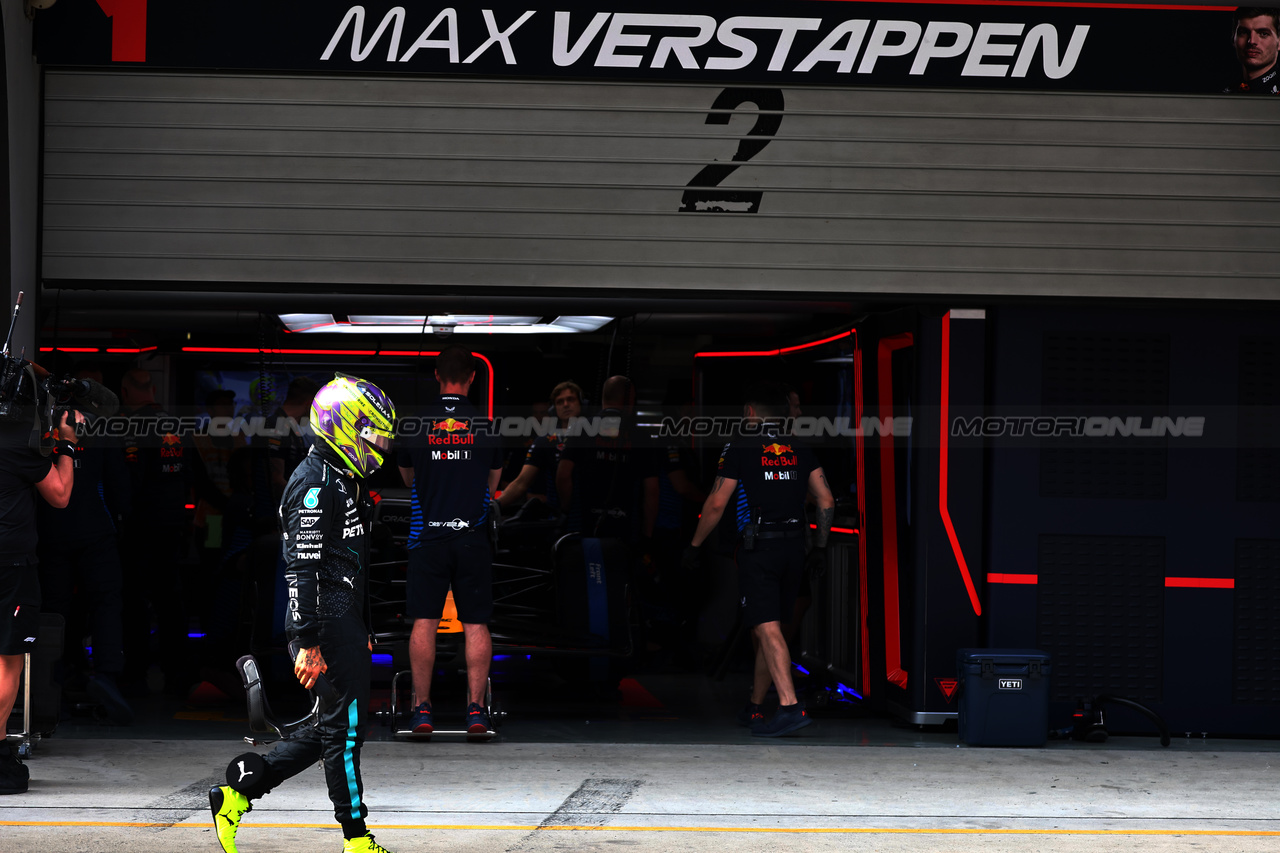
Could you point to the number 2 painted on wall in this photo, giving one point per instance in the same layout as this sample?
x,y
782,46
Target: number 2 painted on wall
x,y
704,194
128,29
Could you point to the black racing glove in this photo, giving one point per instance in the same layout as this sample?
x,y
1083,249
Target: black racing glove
x,y
691,559
495,519
815,565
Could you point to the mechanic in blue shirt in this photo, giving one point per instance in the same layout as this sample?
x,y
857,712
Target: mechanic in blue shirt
x,y
453,470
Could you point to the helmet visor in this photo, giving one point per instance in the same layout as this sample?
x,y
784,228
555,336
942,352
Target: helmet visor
x,y
379,439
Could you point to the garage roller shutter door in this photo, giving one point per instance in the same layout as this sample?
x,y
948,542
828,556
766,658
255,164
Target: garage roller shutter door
x,y
386,184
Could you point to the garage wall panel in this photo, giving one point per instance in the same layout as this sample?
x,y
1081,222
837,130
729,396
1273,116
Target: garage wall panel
x,y
394,182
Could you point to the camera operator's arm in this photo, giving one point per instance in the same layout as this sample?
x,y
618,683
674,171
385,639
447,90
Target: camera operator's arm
x,y
56,487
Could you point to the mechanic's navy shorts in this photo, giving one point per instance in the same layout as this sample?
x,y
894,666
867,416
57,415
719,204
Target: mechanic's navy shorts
x,y
769,580
463,562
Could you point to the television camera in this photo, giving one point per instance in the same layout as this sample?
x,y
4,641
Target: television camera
x,y
30,394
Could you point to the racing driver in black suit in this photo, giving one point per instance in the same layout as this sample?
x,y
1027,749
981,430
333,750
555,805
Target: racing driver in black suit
x,y
325,515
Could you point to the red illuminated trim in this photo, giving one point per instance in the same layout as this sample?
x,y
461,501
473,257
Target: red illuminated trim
x,y
361,352
1201,583
284,351
944,424
999,577
114,350
863,596
889,512
850,530
753,353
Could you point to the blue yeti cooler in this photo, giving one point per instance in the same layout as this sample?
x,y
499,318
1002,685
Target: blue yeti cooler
x,y
1004,696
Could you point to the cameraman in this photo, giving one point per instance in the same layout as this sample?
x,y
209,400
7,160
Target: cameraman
x,y
21,469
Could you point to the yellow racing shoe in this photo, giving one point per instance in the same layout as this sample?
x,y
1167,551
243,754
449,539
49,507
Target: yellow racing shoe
x,y
228,806
363,844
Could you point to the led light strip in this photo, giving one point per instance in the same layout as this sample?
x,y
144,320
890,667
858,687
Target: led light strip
x,y
368,353
781,351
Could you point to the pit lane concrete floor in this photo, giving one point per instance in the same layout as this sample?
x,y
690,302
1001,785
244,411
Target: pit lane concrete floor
x,y
663,768
799,794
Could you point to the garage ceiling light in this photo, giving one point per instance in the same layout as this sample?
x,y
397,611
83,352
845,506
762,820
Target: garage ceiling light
x,y
411,324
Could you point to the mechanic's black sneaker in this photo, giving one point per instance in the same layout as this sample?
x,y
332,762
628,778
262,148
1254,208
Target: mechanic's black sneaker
x,y
750,715
789,718
477,720
14,775
421,722
363,844
102,689
228,806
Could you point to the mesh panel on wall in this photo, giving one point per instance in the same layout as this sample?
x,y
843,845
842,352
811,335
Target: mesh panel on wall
x,y
1096,374
1258,427
1256,661
1100,614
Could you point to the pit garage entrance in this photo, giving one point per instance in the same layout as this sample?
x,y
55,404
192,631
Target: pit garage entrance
x,y
982,265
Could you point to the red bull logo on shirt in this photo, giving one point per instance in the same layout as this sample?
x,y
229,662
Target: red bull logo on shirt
x,y
454,432
450,425
776,455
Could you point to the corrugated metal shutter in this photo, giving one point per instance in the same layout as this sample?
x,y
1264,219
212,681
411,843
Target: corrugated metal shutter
x,y
397,183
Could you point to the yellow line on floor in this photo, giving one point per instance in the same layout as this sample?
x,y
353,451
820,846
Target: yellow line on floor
x,y
539,828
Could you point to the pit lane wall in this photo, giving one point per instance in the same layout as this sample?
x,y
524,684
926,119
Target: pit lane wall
x,y
599,149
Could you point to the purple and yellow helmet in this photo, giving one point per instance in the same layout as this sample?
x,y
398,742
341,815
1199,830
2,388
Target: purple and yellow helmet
x,y
356,419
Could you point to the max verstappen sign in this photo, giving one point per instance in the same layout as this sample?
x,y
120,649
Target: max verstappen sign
x,y
1046,45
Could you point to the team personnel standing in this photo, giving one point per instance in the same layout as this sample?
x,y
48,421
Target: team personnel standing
x,y
453,472
325,515
765,478
537,475
24,472
1257,37
613,480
